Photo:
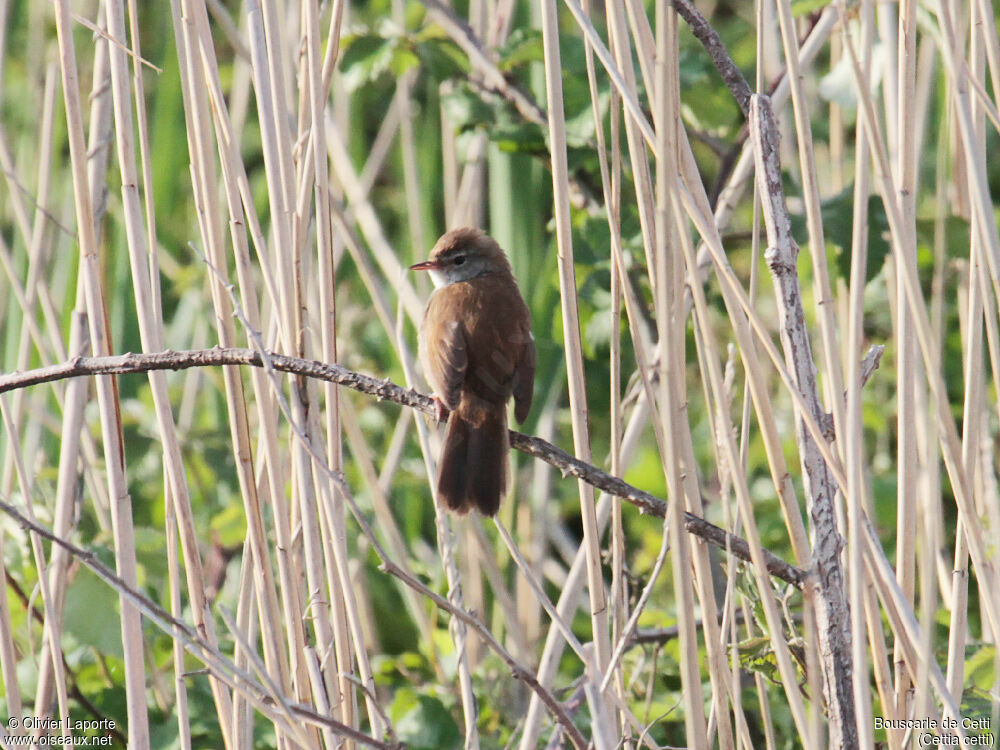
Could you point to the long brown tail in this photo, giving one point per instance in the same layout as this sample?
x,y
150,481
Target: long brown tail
x,y
473,468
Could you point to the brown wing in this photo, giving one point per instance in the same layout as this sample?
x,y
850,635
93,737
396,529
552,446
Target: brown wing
x,y
443,350
524,380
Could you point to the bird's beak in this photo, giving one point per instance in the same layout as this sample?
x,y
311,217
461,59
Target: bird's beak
x,y
425,265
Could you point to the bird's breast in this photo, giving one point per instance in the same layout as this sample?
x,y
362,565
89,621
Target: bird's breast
x,y
495,324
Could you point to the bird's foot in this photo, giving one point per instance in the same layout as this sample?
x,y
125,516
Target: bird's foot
x,y
441,412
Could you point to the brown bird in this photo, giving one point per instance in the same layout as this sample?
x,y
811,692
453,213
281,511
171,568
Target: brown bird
x,y
477,350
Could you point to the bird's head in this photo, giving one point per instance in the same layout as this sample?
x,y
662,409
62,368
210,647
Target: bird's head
x,y
463,254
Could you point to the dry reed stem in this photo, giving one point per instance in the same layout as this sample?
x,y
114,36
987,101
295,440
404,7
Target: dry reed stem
x,y
857,494
557,621
833,370
740,486
729,196
142,257
677,453
948,437
619,44
336,516
625,90
978,302
736,303
181,705
909,419
326,617
53,624
903,622
110,415
446,544
8,652
383,512
611,185
75,400
198,76
29,294
571,331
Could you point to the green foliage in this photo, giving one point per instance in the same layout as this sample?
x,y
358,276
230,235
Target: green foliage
x,y
837,213
386,50
92,617
978,712
523,46
802,8
467,111
980,666
423,721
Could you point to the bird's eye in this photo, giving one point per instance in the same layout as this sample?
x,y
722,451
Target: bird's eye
x,y
459,260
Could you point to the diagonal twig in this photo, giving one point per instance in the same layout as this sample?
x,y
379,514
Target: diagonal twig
x,y
384,389
710,40
193,640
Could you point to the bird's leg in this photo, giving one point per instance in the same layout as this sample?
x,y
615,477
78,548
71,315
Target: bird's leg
x,y
441,412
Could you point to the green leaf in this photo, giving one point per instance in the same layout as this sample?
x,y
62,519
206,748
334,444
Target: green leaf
x,y
713,109
366,56
878,233
979,667
404,58
442,58
423,721
838,225
231,525
465,110
523,46
756,655
518,137
92,614
805,7
977,710
580,127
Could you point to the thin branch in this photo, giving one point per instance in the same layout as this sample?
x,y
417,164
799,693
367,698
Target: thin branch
x,y
709,38
870,363
518,671
832,611
387,390
193,641
463,35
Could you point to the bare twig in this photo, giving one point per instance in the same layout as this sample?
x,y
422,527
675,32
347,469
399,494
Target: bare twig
x,y
709,38
193,641
518,671
387,390
466,38
871,362
831,602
